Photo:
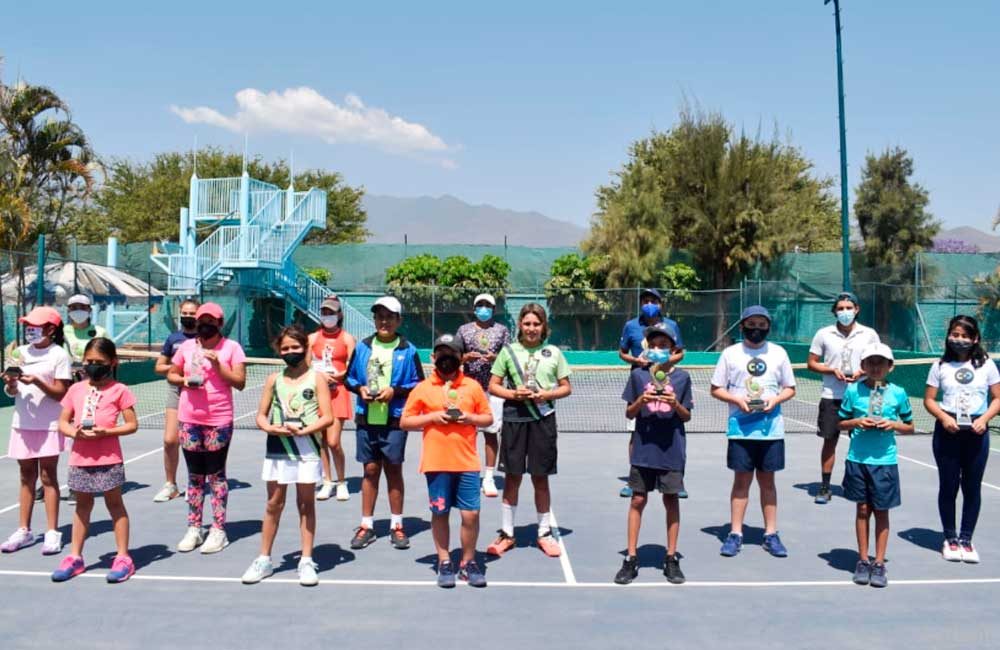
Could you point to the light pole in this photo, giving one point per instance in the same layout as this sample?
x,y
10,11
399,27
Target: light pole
x,y
845,223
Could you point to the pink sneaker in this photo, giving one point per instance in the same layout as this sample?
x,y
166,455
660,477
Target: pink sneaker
x,y
70,567
549,545
121,569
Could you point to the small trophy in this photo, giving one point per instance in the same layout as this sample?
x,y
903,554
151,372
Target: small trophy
x,y
291,412
963,404
531,383
754,392
451,402
327,367
484,342
845,362
374,373
876,402
661,385
196,377
90,409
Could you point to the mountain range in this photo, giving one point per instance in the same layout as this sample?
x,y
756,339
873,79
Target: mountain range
x,y
986,242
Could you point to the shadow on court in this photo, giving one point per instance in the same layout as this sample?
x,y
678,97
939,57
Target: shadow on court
x,y
326,556
526,535
237,530
237,484
412,526
751,534
923,537
651,556
142,556
813,488
841,559
431,560
132,486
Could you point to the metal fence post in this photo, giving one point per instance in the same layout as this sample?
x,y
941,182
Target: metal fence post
x,y
40,272
149,310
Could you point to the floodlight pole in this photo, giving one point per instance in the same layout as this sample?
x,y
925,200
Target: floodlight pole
x,y
845,223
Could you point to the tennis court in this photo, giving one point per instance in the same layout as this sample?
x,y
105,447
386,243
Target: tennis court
x,y
380,596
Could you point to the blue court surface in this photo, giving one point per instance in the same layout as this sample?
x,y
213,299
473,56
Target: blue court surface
x,y
380,596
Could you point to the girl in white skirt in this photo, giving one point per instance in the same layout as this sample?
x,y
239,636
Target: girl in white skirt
x,y
294,411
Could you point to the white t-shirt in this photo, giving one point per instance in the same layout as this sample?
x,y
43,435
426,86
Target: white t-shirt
x,y
769,368
954,379
33,409
831,346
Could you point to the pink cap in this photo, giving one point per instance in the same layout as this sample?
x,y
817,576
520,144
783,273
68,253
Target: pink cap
x,y
209,309
42,316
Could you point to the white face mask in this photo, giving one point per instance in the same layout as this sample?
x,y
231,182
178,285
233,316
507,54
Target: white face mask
x,y
329,322
33,334
79,315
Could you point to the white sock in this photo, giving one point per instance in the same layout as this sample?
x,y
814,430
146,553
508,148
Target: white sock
x,y
305,558
507,519
368,522
544,523
396,520
266,558
489,474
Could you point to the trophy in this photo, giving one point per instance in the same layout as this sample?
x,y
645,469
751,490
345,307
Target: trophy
x,y
196,377
754,392
531,383
90,409
484,342
845,362
291,411
876,402
451,402
963,409
661,385
374,372
327,367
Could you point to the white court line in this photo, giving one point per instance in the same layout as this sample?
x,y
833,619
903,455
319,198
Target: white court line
x,y
923,464
567,568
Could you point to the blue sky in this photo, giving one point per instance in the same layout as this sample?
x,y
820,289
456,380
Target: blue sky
x,y
523,105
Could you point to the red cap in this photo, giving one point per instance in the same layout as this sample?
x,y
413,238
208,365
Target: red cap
x,y
209,309
40,316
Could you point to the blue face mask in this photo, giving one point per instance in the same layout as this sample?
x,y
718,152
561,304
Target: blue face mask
x,y
846,316
657,355
650,310
484,313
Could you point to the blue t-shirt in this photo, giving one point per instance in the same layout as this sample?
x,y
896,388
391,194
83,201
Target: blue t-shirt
x,y
175,339
659,440
633,338
874,446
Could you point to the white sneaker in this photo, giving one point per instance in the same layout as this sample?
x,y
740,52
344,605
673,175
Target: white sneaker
x,y
326,491
192,539
52,544
489,487
167,492
343,494
260,569
307,573
215,542
19,539
951,551
969,552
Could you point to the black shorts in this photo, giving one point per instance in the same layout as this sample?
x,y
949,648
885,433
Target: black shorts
x,y
828,422
759,455
529,447
876,485
643,480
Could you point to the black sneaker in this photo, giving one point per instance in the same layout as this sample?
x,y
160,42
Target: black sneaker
x,y
672,570
824,496
399,539
628,572
878,577
362,537
862,573
446,575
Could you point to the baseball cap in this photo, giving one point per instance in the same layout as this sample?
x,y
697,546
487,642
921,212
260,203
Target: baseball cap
x,y
79,299
487,298
209,309
755,310
847,295
651,292
389,303
451,342
878,350
332,303
661,328
41,316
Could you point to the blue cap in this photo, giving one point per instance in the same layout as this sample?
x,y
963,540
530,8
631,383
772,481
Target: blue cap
x,y
847,295
666,329
755,310
651,292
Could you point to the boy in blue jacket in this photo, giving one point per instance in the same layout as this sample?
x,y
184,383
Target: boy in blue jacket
x,y
382,371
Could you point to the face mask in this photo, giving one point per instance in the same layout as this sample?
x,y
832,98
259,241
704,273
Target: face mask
x,y
846,316
446,365
330,322
650,310
293,358
207,330
958,346
33,334
484,313
188,322
97,371
79,315
755,334
657,355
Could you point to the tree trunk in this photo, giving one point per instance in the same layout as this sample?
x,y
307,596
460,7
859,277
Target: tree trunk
x,y
720,309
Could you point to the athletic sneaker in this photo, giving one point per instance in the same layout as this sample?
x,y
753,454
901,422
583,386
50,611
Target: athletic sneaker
x,y
773,545
951,550
343,494
446,575
549,545
326,491
626,492
215,542
52,543
672,570
167,492
501,544
862,573
307,573
969,553
362,537
19,539
258,570
824,496
121,569
732,545
192,539
878,577
39,494
472,574
682,494
628,572
70,567
490,487
398,538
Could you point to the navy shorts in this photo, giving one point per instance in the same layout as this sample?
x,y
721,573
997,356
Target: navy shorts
x,y
448,489
380,443
759,455
876,485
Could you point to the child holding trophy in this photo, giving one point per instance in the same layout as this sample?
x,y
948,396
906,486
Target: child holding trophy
x,y
659,400
969,384
383,370
449,406
873,411
754,377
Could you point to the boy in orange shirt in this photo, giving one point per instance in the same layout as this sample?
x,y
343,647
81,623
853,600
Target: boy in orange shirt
x,y
449,407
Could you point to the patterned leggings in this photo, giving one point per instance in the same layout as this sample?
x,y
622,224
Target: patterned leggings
x,y
205,450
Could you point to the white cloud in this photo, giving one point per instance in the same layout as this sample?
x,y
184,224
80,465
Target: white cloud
x,y
304,111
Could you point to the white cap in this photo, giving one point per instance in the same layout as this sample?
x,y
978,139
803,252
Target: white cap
x,y
878,350
487,297
389,303
79,299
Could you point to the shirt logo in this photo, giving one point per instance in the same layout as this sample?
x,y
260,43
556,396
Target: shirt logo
x,y
546,352
756,367
308,394
964,376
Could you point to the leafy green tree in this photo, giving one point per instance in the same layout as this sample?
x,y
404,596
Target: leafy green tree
x,y
680,280
572,293
319,274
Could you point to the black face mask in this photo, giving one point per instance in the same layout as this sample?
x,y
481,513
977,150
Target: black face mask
x,y
293,358
207,330
959,347
188,322
97,371
755,334
446,365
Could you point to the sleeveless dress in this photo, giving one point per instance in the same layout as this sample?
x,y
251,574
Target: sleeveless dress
x,y
333,348
293,459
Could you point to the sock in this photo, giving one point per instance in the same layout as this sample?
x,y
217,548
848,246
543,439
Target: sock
x,y
266,558
304,559
507,519
544,524
396,520
826,479
368,522
489,474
